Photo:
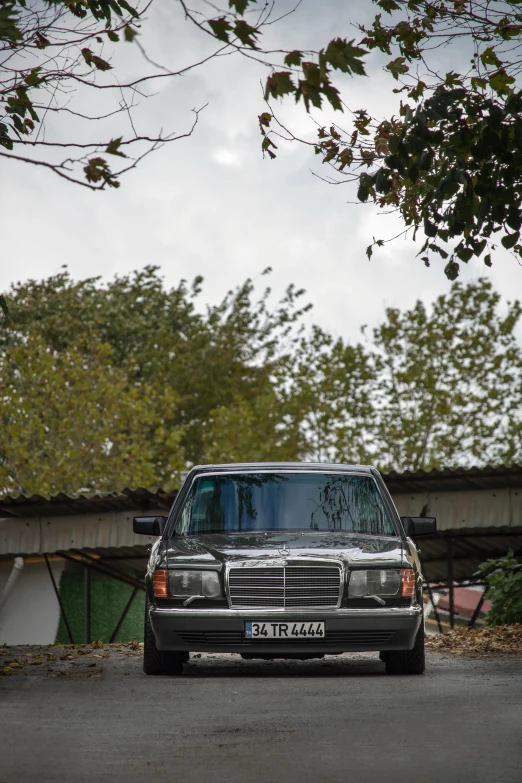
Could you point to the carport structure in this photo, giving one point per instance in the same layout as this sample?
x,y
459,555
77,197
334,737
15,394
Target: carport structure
x,y
479,516
92,532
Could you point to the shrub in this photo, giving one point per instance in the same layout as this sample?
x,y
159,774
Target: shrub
x,y
504,588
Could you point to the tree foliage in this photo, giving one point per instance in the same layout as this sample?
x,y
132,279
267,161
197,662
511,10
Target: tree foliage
x,y
450,383
449,160
70,421
56,57
504,588
127,383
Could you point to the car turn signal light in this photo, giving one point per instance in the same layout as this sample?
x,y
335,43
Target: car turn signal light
x,y
407,583
161,583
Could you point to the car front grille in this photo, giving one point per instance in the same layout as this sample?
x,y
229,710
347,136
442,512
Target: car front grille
x,y
340,640
288,587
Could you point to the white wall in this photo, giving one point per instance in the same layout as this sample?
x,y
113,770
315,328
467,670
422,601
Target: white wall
x,y
31,612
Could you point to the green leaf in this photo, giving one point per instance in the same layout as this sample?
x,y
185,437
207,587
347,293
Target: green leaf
x,y
113,36
332,94
265,119
500,81
87,55
417,91
369,252
464,253
132,11
113,147
489,57
364,191
246,33
451,270
478,83
278,84
312,74
221,28
5,140
32,79
487,260
388,5
239,6
129,33
453,79
293,58
101,65
510,240
426,161
3,306
344,56
397,67
9,19
430,229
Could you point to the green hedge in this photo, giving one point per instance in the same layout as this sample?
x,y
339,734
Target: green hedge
x,y
108,599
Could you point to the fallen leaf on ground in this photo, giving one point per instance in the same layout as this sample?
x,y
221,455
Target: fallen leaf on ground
x,y
499,640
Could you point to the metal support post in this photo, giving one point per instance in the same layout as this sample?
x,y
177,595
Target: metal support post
x,y
87,585
123,615
476,613
57,593
450,584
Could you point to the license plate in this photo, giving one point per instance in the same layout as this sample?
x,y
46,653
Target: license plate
x,y
283,630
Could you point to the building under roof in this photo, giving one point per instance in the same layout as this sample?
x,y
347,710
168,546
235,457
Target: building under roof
x,y
478,510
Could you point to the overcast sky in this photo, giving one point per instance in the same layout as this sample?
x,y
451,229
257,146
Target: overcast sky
x,y
211,205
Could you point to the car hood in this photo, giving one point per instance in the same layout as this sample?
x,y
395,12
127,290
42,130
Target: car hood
x,y
259,548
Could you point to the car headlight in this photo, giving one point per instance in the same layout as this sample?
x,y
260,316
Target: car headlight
x,y
374,582
189,583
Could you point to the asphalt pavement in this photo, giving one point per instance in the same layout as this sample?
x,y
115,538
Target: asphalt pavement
x,y
225,719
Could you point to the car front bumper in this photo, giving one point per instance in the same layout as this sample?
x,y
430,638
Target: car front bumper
x,y
346,630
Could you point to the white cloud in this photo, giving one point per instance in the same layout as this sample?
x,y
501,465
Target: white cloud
x,y
226,157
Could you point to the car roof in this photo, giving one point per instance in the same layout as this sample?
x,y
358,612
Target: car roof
x,y
324,467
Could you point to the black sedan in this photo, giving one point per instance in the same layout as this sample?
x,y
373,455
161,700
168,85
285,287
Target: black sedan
x,y
284,560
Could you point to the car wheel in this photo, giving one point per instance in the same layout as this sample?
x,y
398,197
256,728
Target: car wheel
x,y
159,661
407,661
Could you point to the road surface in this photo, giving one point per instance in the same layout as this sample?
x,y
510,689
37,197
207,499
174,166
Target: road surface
x,y
232,721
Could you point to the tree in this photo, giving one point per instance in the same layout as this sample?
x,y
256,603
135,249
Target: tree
x,y
449,161
331,389
257,429
56,57
70,422
210,359
127,382
447,383
431,387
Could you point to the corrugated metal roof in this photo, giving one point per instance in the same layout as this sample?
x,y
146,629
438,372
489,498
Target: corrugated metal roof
x,y
447,480
454,479
85,503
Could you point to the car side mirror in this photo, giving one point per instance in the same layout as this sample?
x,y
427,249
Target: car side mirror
x,y
149,526
419,526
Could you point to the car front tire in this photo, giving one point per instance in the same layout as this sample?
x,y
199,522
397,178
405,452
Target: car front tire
x,y
407,661
159,661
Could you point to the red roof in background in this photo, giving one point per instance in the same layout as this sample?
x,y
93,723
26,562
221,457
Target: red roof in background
x,y
466,601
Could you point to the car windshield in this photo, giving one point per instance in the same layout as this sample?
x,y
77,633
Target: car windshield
x,y
284,501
